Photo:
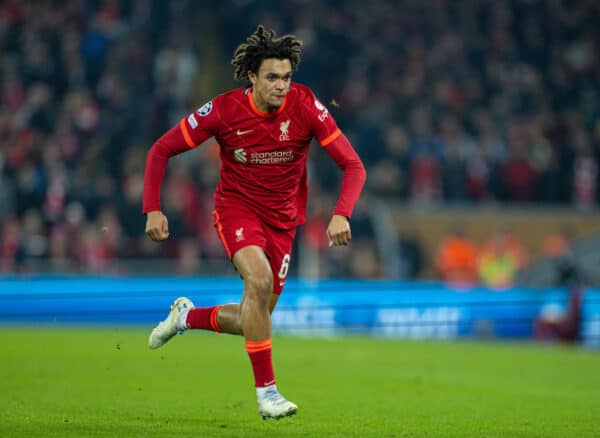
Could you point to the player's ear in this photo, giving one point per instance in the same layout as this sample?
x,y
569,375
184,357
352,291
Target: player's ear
x,y
252,77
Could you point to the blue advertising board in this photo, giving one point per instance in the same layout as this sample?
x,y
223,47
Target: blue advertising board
x,y
382,308
590,318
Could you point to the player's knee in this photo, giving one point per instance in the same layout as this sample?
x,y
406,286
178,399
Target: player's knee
x,y
260,287
261,284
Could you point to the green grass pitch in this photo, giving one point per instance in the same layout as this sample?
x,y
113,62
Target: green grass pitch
x,y
86,382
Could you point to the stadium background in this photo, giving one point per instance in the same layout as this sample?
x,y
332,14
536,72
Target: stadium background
x,y
479,119
479,124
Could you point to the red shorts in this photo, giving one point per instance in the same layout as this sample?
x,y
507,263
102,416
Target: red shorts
x,y
238,227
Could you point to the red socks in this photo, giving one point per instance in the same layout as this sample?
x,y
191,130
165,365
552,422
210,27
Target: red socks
x,y
203,318
262,366
206,318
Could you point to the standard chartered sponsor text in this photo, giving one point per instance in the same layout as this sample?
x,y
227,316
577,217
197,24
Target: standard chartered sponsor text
x,y
272,157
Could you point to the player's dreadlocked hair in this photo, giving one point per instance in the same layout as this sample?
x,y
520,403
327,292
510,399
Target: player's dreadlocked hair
x,y
263,44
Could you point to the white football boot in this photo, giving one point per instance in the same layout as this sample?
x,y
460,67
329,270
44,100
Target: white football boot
x,y
173,324
271,404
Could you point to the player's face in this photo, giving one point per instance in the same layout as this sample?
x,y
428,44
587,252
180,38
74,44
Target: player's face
x,y
271,83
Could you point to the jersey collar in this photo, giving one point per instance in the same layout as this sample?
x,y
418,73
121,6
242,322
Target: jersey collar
x,y
261,113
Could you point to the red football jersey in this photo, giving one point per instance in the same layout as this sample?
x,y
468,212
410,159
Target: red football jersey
x,y
263,155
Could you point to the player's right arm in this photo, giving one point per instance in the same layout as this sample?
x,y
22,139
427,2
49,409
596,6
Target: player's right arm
x,y
191,131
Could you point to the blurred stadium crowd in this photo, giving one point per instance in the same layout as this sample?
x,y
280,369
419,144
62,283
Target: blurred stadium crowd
x,y
446,101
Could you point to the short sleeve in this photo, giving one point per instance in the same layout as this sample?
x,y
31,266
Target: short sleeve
x,y
321,122
202,124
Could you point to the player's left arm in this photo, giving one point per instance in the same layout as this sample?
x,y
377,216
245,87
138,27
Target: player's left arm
x,y
326,131
353,180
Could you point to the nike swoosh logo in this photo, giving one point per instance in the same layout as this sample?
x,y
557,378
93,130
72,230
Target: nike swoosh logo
x,y
239,132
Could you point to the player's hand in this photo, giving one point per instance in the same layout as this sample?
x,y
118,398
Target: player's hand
x,y
338,231
157,226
